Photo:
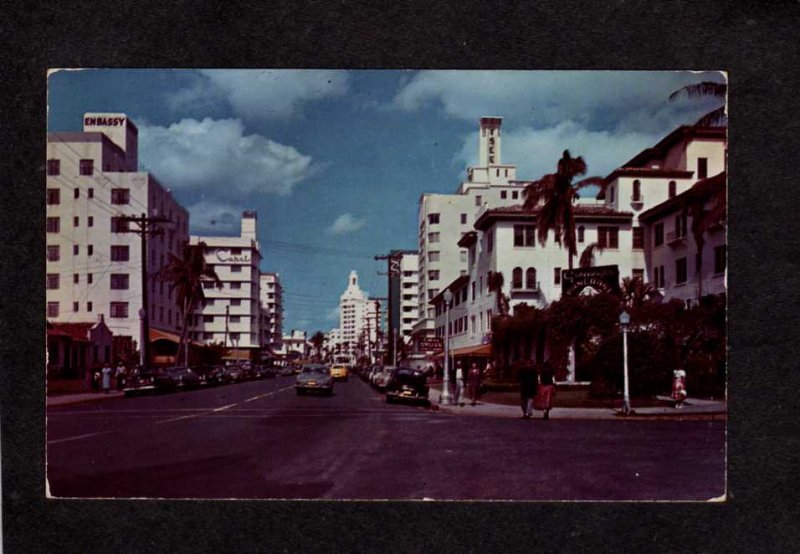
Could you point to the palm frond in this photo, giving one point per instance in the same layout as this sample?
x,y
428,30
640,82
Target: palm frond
x,y
714,118
701,90
587,256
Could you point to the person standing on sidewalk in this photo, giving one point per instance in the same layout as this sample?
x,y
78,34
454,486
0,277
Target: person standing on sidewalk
x,y
120,375
547,390
474,383
527,388
459,385
106,372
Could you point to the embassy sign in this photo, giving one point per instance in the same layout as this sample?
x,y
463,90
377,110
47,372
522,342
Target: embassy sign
x,y
103,121
586,280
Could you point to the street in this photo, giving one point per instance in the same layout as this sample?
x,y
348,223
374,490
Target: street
x,y
259,440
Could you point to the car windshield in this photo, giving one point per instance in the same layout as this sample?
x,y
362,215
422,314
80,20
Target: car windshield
x,y
314,369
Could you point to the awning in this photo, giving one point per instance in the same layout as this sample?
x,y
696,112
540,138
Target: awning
x,y
234,354
158,334
480,351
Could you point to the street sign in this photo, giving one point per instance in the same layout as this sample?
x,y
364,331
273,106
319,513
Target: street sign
x,y
431,344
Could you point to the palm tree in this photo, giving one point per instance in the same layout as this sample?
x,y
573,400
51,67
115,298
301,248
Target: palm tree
x,y
186,274
317,340
587,256
705,89
636,292
713,190
553,197
495,283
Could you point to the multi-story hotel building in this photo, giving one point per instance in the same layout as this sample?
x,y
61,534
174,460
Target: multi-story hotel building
x,y
232,314
359,321
94,267
271,312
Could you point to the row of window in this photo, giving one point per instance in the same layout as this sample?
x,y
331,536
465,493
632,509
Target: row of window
x,y
116,309
119,253
85,167
119,196
682,269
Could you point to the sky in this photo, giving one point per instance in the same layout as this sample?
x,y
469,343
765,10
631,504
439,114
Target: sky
x,y
334,162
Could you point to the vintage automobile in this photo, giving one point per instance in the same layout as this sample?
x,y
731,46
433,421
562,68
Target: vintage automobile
x,y
407,384
314,377
174,378
382,378
339,372
141,380
209,375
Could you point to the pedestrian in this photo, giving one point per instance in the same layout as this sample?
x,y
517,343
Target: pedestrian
x,y
474,383
527,387
106,372
120,375
546,391
459,384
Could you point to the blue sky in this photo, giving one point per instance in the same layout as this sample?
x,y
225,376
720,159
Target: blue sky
x,y
335,161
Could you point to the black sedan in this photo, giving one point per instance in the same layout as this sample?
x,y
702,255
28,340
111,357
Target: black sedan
x,y
174,378
407,384
314,377
141,380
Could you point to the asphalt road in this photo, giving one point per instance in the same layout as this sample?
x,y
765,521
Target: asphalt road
x,y
259,440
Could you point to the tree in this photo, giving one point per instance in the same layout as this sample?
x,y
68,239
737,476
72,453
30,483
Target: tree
x,y
636,292
186,274
587,256
553,197
317,340
711,191
705,89
495,282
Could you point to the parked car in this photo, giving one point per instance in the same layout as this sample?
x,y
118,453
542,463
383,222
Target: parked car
x,y
174,378
210,375
382,378
233,374
407,384
314,377
141,380
285,371
339,372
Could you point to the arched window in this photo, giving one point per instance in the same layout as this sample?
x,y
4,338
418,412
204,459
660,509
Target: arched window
x,y
516,278
530,278
637,191
672,188
580,233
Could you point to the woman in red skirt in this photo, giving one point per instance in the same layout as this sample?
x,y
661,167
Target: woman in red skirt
x,y
546,390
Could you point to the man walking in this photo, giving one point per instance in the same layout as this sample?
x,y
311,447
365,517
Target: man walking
x,y
527,388
474,383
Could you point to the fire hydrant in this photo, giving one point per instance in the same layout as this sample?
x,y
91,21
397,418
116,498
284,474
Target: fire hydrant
x,y
679,387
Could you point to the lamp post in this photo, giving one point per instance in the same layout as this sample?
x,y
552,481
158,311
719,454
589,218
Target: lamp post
x,y
624,321
445,397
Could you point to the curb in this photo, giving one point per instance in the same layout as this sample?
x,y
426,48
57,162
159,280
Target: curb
x,y
99,397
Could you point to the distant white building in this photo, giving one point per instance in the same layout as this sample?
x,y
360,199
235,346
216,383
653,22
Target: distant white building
x,y
272,312
232,315
296,344
94,267
359,320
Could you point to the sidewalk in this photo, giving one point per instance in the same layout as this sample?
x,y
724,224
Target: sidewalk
x,y
691,407
66,399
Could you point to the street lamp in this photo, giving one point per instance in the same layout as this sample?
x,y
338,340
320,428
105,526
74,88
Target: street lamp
x,y
445,397
624,321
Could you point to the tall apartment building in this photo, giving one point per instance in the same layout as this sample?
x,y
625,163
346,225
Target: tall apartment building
x,y
445,218
94,267
232,314
272,312
359,321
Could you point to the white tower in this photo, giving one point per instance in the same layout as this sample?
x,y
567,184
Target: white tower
x,y
489,141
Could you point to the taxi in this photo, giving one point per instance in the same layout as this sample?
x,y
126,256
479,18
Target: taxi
x,y
339,372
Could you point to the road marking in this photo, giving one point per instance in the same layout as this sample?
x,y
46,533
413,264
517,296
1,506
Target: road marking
x,y
79,437
223,408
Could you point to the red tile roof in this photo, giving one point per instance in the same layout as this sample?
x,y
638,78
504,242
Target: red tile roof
x,y
582,212
75,331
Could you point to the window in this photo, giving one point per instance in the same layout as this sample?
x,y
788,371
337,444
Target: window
x,y
608,237
524,235
672,189
503,194
514,195
208,319
53,167
236,302
637,274
120,253
433,275
89,306
76,278
473,290
463,255
581,233
236,286
655,276
489,241
611,195
720,259
87,167
53,254
478,200
52,281
680,225
433,219
658,234
208,336
53,196
76,249
638,238
680,271
76,221
120,196
75,306
702,168
90,193
637,191
52,309
432,293
119,281
236,319
433,237
119,225
89,278
90,221
53,224
119,309
516,278
90,250
530,279
433,256
557,276
236,269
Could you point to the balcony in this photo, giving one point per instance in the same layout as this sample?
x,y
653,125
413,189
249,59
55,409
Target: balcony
x,y
526,292
637,201
675,238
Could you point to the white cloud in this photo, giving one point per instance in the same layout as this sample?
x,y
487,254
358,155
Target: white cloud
x,y
214,217
620,100
332,315
346,223
216,154
260,94
536,151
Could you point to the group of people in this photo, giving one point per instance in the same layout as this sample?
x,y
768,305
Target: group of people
x,y
537,388
467,387
103,377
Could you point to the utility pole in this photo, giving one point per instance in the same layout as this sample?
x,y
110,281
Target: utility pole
x,y
225,336
146,226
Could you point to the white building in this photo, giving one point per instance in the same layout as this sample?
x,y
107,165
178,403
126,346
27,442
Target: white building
x,y
231,315
94,267
359,320
271,312
409,294
297,345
